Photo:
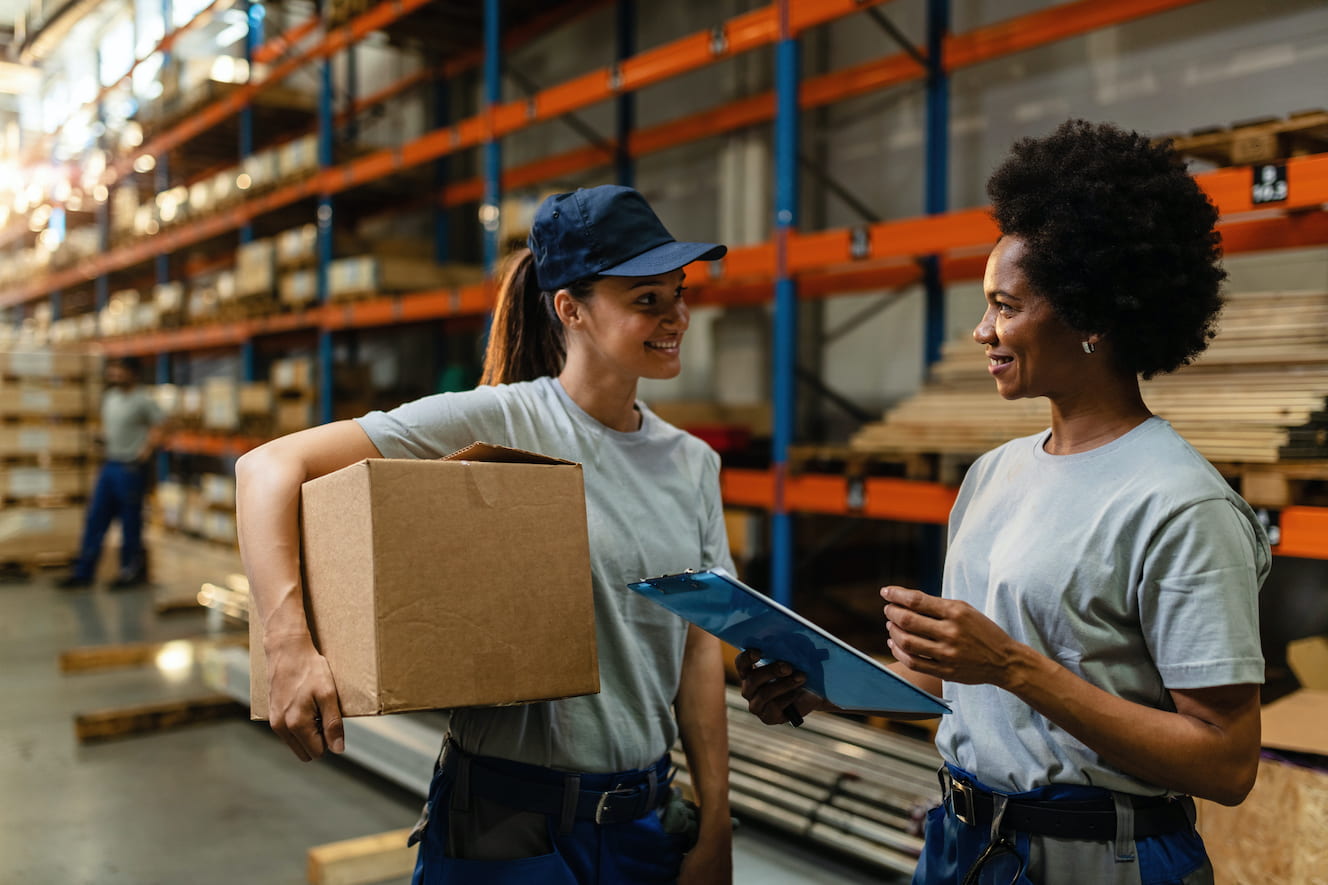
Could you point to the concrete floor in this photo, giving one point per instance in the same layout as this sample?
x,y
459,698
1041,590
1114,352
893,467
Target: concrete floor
x,y
220,802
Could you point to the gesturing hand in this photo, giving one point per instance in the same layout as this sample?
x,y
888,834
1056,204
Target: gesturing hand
x,y
946,638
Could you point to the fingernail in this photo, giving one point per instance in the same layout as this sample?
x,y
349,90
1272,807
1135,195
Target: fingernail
x,y
784,669
338,745
885,592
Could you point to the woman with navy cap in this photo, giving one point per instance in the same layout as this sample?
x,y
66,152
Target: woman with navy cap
x,y
568,791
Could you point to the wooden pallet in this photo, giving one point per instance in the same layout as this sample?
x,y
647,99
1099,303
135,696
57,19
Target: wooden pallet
x,y
105,725
15,569
97,658
1264,140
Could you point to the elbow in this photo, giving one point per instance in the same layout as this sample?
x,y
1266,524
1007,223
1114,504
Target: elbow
x,y
1236,783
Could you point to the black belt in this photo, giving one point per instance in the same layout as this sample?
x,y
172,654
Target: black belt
x,y
633,795
1093,819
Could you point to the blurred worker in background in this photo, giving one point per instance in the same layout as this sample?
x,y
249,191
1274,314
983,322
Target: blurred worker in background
x,y
131,425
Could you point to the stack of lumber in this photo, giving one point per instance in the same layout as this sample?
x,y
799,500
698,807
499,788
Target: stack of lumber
x,y
1256,141
1258,395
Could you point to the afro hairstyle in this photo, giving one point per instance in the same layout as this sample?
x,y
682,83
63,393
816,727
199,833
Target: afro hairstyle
x,y
1119,238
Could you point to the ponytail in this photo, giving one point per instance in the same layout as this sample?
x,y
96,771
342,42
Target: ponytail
x,y
526,339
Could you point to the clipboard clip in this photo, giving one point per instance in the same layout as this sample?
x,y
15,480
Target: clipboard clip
x,y
669,584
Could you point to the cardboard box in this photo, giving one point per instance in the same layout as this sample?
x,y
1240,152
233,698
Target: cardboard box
x,y
53,440
1276,834
297,289
40,482
292,373
298,246
30,400
50,364
256,268
292,414
255,399
413,618
27,531
221,404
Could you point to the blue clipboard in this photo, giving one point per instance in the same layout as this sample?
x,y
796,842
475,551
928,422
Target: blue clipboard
x,y
746,618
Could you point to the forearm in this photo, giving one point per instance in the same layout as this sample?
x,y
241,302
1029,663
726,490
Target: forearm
x,y
267,501
703,725
1187,753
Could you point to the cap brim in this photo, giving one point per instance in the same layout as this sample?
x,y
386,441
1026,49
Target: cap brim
x,y
665,259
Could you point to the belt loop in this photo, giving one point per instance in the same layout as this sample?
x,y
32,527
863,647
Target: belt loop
x,y
1124,827
653,780
998,802
461,792
571,793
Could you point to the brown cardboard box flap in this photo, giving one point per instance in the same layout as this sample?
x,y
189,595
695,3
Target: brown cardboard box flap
x,y
482,451
1298,722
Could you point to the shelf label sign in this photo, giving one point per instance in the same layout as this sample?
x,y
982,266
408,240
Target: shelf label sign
x,y
1270,183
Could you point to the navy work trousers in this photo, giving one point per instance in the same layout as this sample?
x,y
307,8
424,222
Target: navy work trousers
x,y
118,495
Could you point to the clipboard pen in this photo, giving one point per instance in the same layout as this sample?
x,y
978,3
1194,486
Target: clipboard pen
x,y
745,618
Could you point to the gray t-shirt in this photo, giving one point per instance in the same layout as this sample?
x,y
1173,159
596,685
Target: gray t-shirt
x,y
126,419
1134,565
652,507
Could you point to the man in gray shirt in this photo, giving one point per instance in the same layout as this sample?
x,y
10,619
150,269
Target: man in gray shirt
x,y
131,423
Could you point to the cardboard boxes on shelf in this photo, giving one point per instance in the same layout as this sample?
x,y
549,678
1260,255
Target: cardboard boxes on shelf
x,y
256,269
221,404
421,619
367,275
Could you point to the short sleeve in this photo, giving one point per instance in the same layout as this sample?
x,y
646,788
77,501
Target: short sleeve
x,y
1199,596
715,549
437,425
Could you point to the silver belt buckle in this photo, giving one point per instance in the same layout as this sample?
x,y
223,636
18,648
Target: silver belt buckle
x,y
961,802
602,805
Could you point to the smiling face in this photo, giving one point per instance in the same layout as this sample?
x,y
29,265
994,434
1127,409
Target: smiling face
x,y
1030,349
632,326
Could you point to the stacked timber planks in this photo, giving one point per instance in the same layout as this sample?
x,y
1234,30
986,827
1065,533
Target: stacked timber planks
x,y
1259,394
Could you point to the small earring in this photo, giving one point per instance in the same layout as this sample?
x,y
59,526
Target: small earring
x,y
1088,346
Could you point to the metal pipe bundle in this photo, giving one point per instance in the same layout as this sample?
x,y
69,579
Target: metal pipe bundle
x,y
856,789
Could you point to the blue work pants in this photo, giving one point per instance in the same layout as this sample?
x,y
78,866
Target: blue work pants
x,y
117,495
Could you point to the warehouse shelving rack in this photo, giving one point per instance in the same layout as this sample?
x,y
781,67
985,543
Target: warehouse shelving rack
x,y
940,248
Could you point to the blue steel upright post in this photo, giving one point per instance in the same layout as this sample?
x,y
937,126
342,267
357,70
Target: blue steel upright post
x,y
162,264
442,116
936,199
493,149
253,38
626,117
324,242
787,75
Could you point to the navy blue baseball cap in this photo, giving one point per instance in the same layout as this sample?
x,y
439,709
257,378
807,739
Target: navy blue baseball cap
x,y
605,231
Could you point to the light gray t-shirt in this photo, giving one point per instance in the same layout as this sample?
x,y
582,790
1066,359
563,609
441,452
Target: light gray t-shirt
x,y
652,507
126,419
1134,565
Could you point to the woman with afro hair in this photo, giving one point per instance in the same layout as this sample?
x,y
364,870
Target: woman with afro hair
x,y
1097,633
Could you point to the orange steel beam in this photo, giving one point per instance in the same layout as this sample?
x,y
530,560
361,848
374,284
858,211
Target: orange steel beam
x,y
164,45
282,43
1304,533
1028,31
962,230
908,501
1047,26
216,444
333,41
